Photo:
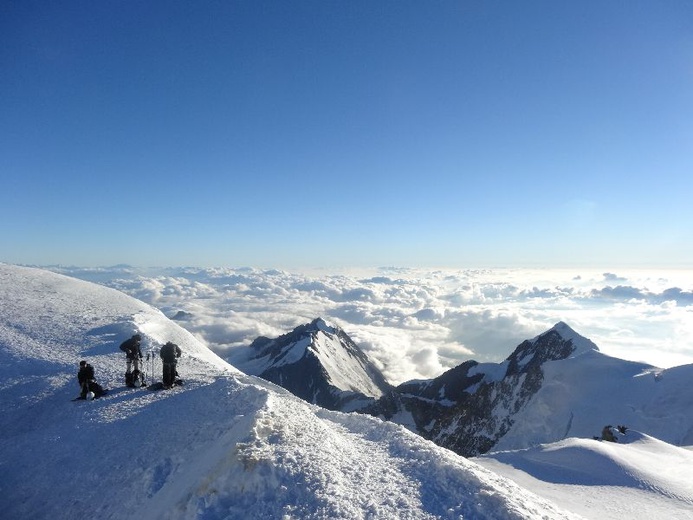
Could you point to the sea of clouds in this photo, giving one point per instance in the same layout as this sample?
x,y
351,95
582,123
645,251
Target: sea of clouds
x,y
417,323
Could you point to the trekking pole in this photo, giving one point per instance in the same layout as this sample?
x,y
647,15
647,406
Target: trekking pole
x,y
152,353
145,363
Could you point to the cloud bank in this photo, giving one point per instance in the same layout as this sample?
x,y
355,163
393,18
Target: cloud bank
x,y
416,323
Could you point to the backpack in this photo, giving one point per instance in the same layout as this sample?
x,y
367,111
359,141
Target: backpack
x,y
97,389
170,352
134,379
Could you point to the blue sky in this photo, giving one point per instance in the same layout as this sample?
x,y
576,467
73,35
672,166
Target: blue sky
x,y
302,134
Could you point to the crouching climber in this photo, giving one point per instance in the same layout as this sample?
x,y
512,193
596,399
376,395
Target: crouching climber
x,y
608,434
89,388
169,354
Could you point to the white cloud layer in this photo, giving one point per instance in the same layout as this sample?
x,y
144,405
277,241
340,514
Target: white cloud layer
x,y
418,323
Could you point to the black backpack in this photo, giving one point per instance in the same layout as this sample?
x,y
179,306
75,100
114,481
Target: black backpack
x,y
170,352
134,379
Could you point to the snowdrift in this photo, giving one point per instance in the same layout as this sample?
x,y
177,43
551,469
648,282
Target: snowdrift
x,y
638,476
224,445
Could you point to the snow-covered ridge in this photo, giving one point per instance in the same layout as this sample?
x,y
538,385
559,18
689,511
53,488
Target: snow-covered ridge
x,y
64,320
631,471
608,472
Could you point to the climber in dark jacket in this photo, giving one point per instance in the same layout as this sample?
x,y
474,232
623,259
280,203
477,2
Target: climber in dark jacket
x,y
87,382
133,356
169,354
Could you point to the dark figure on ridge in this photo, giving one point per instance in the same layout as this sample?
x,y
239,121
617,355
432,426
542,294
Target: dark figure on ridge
x,y
133,356
169,353
87,382
608,434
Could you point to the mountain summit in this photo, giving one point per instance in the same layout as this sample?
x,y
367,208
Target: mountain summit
x,y
319,363
230,446
559,342
553,386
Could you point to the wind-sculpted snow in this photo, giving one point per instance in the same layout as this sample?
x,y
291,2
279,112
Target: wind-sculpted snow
x,y
298,462
222,446
625,472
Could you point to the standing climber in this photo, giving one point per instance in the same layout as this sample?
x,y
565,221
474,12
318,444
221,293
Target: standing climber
x,y
133,356
169,353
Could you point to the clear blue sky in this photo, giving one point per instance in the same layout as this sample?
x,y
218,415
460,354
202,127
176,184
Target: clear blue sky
x,y
337,133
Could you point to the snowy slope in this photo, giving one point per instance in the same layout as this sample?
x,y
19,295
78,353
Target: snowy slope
x,y
637,477
582,394
224,445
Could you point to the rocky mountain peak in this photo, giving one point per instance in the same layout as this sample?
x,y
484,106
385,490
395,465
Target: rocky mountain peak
x,y
318,324
559,342
318,362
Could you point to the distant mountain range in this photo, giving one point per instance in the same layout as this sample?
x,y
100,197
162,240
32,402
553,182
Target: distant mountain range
x,y
553,386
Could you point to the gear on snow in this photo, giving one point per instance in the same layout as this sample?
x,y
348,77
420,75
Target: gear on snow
x,y
90,389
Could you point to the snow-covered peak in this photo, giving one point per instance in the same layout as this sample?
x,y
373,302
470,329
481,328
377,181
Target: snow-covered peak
x,y
322,325
559,342
316,361
580,343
